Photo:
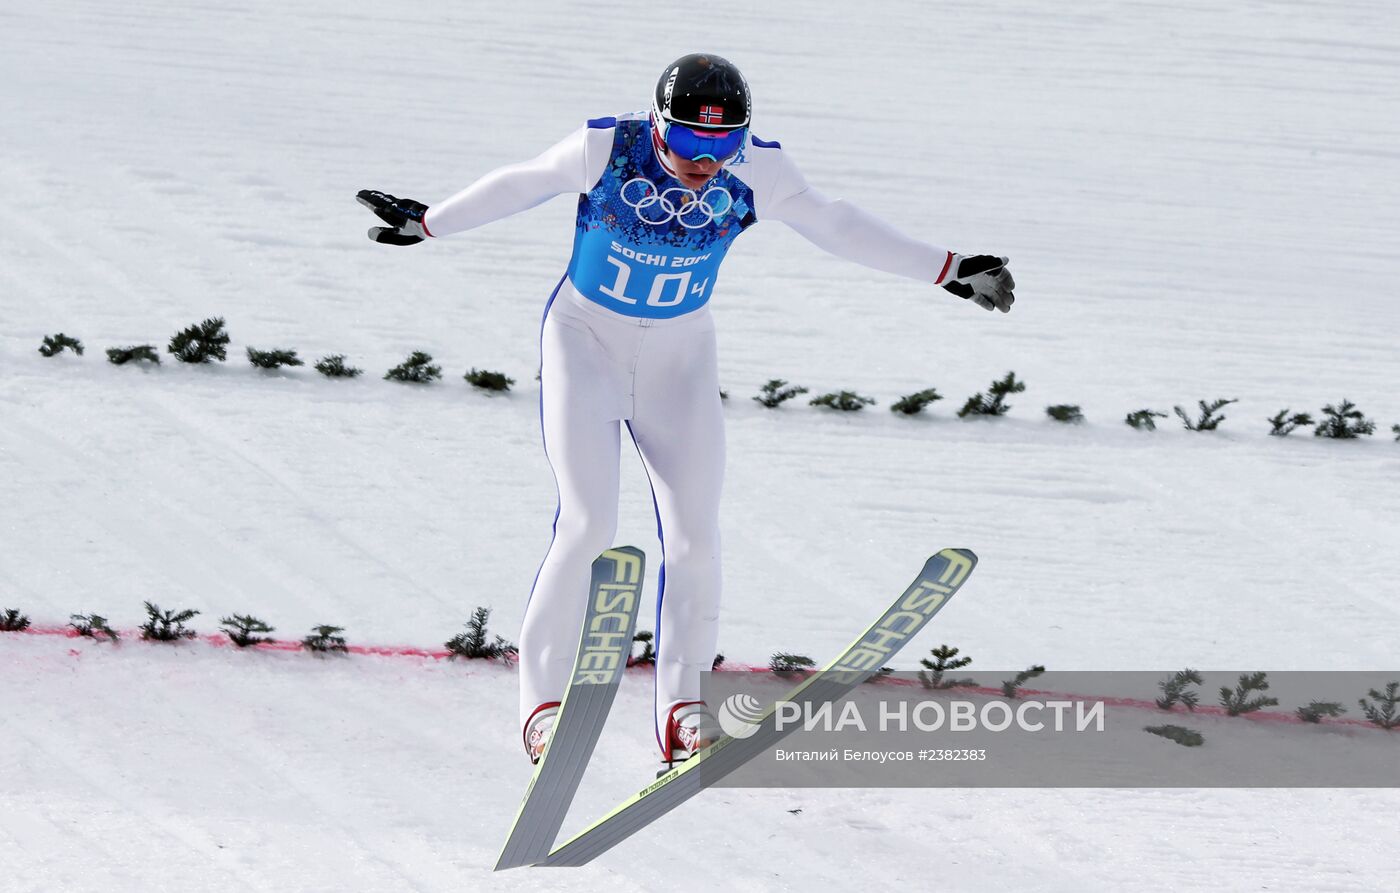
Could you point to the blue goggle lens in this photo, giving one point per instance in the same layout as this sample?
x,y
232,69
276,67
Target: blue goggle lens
x,y
697,144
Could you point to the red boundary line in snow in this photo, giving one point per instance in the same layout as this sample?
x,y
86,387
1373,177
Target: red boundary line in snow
x,y
222,641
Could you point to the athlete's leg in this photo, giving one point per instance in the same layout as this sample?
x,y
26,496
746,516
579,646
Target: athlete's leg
x,y
581,438
678,427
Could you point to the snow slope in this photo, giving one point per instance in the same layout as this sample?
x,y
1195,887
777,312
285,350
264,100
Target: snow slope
x,y
1193,199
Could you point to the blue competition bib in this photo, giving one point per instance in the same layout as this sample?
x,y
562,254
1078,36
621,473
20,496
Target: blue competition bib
x,y
644,244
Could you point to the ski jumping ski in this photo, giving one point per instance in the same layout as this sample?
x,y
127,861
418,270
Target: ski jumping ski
x,y
941,577
604,646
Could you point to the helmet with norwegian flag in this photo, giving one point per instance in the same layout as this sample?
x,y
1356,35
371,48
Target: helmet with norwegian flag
x,y
702,91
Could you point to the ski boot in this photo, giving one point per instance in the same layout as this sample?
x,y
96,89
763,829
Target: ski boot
x,y
538,729
690,728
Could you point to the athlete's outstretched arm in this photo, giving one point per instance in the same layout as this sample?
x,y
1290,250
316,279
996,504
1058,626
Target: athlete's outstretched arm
x,y
574,164
845,230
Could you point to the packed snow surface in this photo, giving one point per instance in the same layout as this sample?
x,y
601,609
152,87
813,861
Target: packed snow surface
x,y
1194,199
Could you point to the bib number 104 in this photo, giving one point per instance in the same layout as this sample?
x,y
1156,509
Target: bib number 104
x,y
667,289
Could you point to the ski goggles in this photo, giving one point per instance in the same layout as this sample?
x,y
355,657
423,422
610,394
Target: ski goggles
x,y
693,145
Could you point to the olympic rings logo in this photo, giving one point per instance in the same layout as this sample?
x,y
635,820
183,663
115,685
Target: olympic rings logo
x,y
677,203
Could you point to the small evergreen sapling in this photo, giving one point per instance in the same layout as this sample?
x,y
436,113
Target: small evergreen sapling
x,y
166,626
777,391
945,658
718,662
145,353
200,343
1011,687
1239,701
1208,421
333,366
1344,422
723,394
1395,429
978,404
12,621
472,643
1065,412
274,359
92,626
1180,734
846,401
489,381
784,664
55,344
1143,418
244,629
1285,424
417,369
1385,712
1175,691
324,640
913,404
1316,710
648,656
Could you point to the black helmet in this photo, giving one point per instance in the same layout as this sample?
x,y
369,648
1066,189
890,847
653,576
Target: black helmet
x,y
703,91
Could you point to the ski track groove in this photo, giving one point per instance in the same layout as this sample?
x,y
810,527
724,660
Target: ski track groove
x,y
74,766
283,480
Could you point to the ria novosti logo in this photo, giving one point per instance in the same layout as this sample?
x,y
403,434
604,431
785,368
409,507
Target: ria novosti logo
x,y
740,715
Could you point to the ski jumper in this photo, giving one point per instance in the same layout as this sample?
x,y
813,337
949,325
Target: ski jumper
x,y
627,339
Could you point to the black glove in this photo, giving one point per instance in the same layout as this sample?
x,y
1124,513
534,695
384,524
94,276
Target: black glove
x,y
983,279
404,216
